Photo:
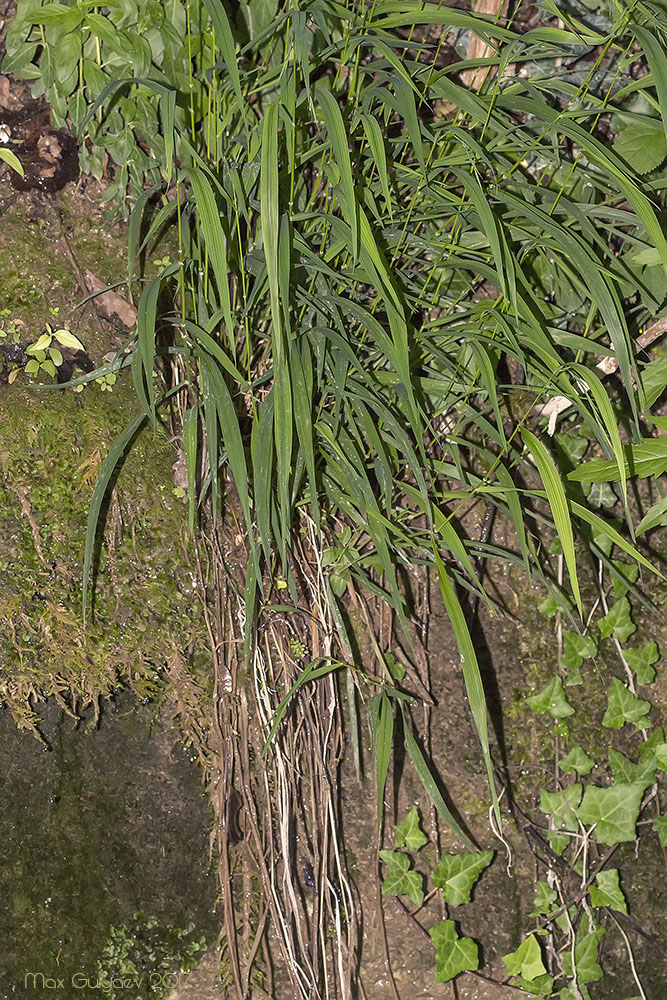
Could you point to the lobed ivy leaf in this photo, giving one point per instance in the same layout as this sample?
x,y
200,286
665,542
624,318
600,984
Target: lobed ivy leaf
x,y
607,891
627,773
613,810
526,961
586,947
562,806
576,649
641,659
557,842
456,874
654,748
601,495
628,573
453,954
399,880
618,621
409,834
545,897
551,699
624,706
577,760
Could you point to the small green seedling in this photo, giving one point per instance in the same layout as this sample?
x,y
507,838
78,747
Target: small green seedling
x,y
46,357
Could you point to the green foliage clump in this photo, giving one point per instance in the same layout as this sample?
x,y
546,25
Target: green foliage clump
x,y
146,957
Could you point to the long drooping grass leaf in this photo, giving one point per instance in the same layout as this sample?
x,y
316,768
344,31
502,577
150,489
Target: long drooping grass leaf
x,y
428,781
382,727
555,492
269,208
109,467
311,673
471,673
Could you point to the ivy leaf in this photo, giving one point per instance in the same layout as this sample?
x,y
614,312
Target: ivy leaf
x,y
655,748
642,144
576,649
614,810
562,806
618,621
660,827
526,961
549,606
409,833
453,954
573,446
624,706
551,699
627,773
399,881
557,842
640,659
628,573
586,947
545,897
577,760
601,495
457,873
607,891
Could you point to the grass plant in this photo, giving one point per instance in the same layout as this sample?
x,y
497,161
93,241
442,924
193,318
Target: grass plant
x,y
384,281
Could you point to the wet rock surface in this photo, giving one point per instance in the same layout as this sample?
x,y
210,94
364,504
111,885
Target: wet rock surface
x,y
105,823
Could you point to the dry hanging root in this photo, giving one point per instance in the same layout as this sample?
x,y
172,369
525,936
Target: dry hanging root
x,y
286,901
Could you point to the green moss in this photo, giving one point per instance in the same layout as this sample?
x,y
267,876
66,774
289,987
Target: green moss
x,y
144,605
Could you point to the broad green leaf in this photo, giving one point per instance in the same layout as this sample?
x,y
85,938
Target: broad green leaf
x,y
613,810
654,380
624,706
617,621
577,760
643,144
453,954
40,344
399,880
456,874
641,660
607,891
526,961
659,826
67,339
409,833
646,459
12,160
553,487
562,806
655,517
551,699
